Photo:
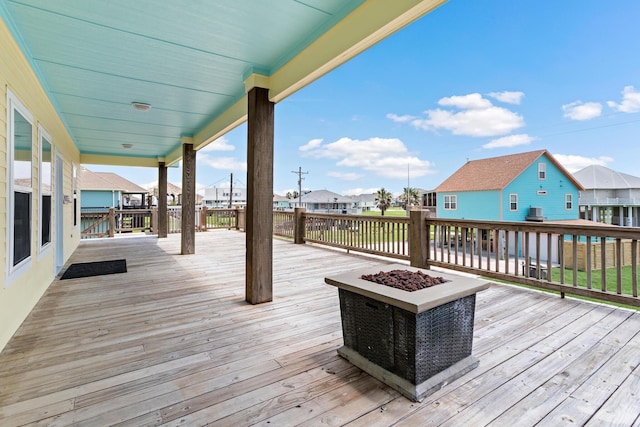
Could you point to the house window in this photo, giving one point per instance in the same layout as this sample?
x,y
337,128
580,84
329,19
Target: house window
x,y
19,182
513,202
74,180
542,171
450,202
568,201
45,187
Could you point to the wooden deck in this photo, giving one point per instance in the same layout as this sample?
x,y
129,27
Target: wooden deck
x,y
172,342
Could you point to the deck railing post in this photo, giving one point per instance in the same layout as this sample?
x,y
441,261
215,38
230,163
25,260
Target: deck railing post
x,y
112,222
154,220
203,218
240,219
299,226
418,241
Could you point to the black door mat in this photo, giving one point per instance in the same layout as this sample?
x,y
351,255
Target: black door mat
x,y
99,268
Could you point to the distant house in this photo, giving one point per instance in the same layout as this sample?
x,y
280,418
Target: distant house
x,y
281,203
609,196
221,197
530,186
104,190
174,195
428,200
326,201
365,203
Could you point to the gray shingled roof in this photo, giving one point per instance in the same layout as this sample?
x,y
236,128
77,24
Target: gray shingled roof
x,y
322,196
600,177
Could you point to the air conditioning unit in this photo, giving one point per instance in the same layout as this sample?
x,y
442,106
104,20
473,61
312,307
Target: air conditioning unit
x,y
535,214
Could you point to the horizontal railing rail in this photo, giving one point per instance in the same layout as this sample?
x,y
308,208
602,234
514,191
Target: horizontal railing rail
x,y
97,224
387,236
218,218
588,260
128,220
284,224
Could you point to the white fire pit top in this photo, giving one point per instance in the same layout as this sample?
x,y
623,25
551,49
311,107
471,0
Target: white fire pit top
x,y
415,302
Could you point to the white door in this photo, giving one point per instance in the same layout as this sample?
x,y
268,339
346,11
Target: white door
x,y
58,196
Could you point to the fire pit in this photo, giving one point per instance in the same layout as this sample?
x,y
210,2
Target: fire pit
x,y
416,342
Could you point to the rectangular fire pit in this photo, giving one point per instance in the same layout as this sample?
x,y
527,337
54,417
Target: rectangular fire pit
x,y
416,342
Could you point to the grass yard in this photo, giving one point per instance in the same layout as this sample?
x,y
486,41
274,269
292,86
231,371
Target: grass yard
x,y
596,276
388,212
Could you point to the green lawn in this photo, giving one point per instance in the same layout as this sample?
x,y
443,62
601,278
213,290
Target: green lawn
x,y
596,276
388,212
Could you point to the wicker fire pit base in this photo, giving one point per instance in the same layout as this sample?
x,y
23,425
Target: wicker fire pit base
x,y
416,342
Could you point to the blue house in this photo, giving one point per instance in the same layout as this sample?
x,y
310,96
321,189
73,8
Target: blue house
x,y
527,186
104,190
530,186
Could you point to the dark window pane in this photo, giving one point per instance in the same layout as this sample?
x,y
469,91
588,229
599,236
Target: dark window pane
x,y
45,208
21,227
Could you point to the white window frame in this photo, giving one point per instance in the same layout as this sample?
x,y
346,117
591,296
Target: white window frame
x,y
568,201
450,202
511,209
14,271
542,171
44,135
74,185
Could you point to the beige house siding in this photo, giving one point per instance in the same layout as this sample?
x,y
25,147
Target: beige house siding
x,y
19,293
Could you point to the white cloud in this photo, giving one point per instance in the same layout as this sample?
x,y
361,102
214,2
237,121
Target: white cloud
x,y
220,144
224,163
358,191
579,110
508,97
387,157
347,176
574,163
310,145
478,117
630,101
472,101
509,141
400,119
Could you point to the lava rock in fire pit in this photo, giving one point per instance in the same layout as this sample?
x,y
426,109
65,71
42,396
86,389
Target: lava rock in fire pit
x,y
404,279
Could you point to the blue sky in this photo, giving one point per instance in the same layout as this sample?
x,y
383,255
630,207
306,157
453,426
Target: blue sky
x,y
473,79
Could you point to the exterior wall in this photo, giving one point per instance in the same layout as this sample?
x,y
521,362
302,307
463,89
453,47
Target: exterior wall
x,y
527,185
99,199
471,205
19,293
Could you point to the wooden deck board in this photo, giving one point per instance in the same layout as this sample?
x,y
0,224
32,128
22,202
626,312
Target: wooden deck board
x,y
172,342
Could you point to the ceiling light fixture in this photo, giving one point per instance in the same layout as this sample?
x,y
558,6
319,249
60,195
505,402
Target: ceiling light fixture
x,y
127,146
141,106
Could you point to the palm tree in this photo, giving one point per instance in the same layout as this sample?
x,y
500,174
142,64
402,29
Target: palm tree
x,y
384,200
411,194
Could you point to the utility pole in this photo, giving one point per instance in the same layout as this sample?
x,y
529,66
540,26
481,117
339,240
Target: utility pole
x,y
300,178
231,192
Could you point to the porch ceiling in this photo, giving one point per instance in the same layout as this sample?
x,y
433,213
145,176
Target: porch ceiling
x,y
189,60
